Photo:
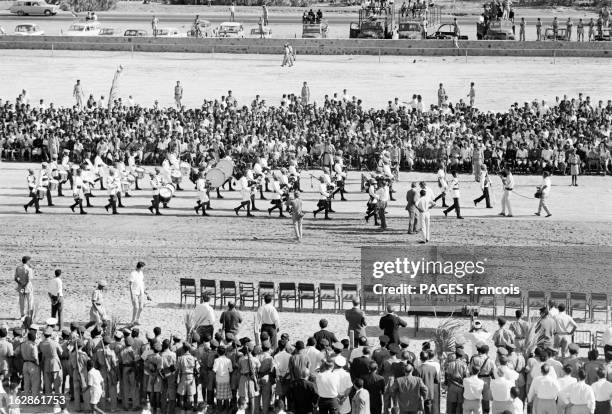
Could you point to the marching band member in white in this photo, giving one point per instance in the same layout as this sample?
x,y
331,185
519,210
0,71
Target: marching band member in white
x,y
124,176
245,192
276,197
203,200
43,182
67,167
339,176
443,185
55,174
259,176
156,183
98,168
132,168
372,202
32,186
252,188
323,203
330,187
114,188
78,192
293,173
88,183
454,185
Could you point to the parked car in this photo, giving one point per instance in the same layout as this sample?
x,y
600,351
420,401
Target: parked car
x,y
230,29
28,30
446,31
169,32
603,36
32,7
549,34
107,31
82,29
135,33
265,33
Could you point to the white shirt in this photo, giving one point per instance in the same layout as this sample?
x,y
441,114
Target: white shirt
x,y
315,357
281,362
94,379
565,323
137,282
517,406
500,389
327,384
581,393
345,383
204,314
56,287
268,315
222,368
423,204
546,183
544,387
602,390
607,336
472,388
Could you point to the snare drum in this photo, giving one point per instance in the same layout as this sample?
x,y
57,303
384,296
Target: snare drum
x,y
140,172
53,184
166,192
41,193
176,176
125,186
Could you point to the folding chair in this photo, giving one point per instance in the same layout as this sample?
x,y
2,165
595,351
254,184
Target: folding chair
x,y
246,293
397,299
287,292
584,339
578,303
266,288
188,289
348,292
208,288
559,297
328,293
514,302
227,290
535,300
599,303
306,291
488,302
368,297
598,341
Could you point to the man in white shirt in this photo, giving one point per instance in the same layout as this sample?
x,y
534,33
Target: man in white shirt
x,y
472,393
543,392
204,318
327,384
137,292
382,198
581,396
544,194
345,384
56,294
268,318
423,206
500,392
565,328
508,184
313,354
564,381
602,389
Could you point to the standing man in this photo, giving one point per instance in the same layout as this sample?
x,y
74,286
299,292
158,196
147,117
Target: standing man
x,y
390,324
539,29
522,30
508,184
441,95
544,194
56,294
423,206
485,185
305,92
356,321
412,196
265,14
51,353
472,94
205,315
178,95
230,319
23,277
137,292
580,30
568,28
269,321
297,214
77,93
233,11
454,185
382,198
154,24
32,187
565,330
409,391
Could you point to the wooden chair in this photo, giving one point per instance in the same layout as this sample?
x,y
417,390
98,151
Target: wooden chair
x,y
263,289
246,293
599,303
578,302
368,297
287,292
208,288
307,291
348,292
559,297
328,293
227,290
188,289
584,339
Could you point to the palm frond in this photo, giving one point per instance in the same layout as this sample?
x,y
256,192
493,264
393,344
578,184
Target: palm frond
x,y
113,325
444,336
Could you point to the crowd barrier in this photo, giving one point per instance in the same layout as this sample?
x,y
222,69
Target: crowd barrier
x,y
315,46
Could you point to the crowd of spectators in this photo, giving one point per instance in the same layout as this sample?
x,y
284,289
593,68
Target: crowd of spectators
x,y
528,138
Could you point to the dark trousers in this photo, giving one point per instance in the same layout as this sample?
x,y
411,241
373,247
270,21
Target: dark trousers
x,y
49,199
33,200
205,329
484,196
271,331
382,205
455,207
328,406
56,309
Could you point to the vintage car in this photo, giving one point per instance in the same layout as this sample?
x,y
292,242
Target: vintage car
x,y
495,30
411,30
135,33
549,34
446,31
603,36
265,33
230,29
82,29
28,30
107,31
33,7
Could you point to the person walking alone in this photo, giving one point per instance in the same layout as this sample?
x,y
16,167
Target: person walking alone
x,y
454,185
508,184
485,185
56,294
137,292
297,214
544,194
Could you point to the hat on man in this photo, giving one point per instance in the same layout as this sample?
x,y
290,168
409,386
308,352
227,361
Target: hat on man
x,y
501,351
340,361
48,331
51,322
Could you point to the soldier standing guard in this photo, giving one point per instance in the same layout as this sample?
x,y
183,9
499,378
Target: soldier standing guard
x,y
107,361
78,366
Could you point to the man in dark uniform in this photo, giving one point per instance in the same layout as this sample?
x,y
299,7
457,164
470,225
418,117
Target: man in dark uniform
x,y
324,334
485,367
375,384
390,324
381,354
356,321
456,371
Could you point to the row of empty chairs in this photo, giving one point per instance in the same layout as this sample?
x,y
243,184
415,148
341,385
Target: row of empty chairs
x,y
308,295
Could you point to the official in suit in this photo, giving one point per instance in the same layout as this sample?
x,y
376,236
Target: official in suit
x,y
409,392
390,324
356,321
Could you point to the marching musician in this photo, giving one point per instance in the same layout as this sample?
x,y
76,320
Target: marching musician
x,y
252,188
323,203
124,176
454,185
382,198
247,197
339,176
132,168
44,180
78,192
88,182
258,175
371,205
202,188
276,197
55,174
65,165
443,185
294,174
114,190
98,168
330,187
156,183
32,186
508,184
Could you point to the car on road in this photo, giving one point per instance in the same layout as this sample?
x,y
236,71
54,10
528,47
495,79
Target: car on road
x,y
82,29
446,31
411,30
549,34
28,30
230,29
264,33
107,31
495,30
33,7
135,33
169,32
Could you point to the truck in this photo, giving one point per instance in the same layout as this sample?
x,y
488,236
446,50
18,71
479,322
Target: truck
x,y
374,23
315,30
492,26
414,24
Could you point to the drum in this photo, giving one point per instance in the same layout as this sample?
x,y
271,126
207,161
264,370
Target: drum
x,y
131,179
185,168
63,176
176,176
227,166
41,193
53,184
166,192
55,174
125,186
140,172
216,177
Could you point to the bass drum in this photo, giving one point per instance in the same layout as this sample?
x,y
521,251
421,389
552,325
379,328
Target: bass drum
x,y
166,192
227,166
216,177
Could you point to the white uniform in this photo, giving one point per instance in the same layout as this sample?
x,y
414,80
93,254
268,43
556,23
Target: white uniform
x,y
277,190
442,180
508,183
201,188
245,190
454,185
156,183
99,166
323,194
113,184
79,188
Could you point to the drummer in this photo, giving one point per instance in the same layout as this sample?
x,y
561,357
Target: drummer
x,y
259,177
276,196
56,173
134,169
203,201
250,176
245,192
156,183
44,181
88,182
32,187
339,176
78,192
126,179
114,190
98,169
330,187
